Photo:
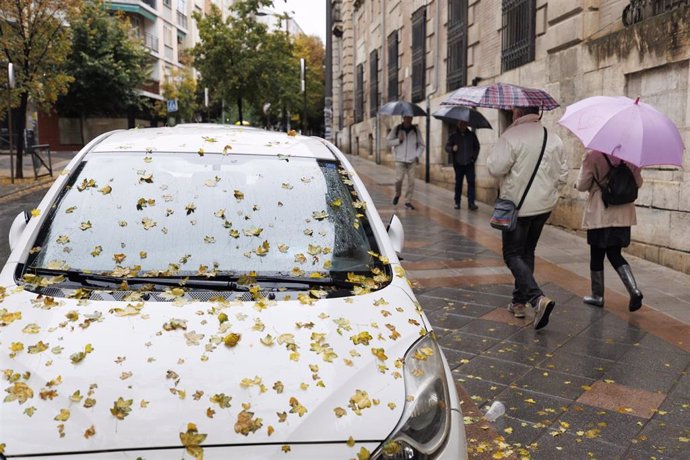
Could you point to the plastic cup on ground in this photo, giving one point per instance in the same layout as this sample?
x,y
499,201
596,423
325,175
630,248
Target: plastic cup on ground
x,y
496,410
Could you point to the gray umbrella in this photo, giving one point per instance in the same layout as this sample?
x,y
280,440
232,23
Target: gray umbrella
x,y
402,108
454,114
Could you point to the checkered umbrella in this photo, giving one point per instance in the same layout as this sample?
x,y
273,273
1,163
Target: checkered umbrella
x,y
501,96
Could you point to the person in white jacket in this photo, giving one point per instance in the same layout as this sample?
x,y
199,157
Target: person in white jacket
x,y
513,160
408,145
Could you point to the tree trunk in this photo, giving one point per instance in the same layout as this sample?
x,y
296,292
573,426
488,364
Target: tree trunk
x,y
81,129
20,125
239,108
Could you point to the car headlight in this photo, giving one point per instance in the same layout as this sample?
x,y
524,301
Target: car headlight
x,y
425,422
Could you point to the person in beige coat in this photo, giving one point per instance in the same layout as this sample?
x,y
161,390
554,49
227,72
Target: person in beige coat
x,y
608,228
513,160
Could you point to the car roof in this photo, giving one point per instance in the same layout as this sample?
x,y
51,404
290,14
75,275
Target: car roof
x,y
213,139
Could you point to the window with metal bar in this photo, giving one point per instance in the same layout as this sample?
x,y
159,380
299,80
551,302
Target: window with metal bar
x,y
418,54
359,94
373,82
662,6
456,65
519,33
393,66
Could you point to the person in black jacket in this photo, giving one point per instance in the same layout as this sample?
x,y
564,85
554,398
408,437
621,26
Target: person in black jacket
x,y
463,146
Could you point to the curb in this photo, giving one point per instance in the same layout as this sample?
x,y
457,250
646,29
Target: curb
x,y
40,183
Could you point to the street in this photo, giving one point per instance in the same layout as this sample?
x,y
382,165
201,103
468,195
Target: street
x,y
10,208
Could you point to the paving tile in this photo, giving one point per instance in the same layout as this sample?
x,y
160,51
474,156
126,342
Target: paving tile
x,y
585,366
456,358
480,391
491,329
502,315
613,329
516,431
655,343
532,407
654,360
467,343
620,398
588,346
664,438
605,425
448,320
516,353
430,304
494,370
568,446
553,383
549,339
674,410
635,454
652,380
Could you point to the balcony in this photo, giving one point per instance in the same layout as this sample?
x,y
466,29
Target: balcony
x,y
150,41
181,20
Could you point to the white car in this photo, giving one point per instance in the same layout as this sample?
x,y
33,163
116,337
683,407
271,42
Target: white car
x,y
218,292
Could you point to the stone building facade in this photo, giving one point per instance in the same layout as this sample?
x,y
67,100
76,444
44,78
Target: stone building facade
x,y
420,50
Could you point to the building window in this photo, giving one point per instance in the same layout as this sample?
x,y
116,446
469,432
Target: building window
x,y
393,66
167,3
519,24
373,83
662,6
418,54
359,94
456,68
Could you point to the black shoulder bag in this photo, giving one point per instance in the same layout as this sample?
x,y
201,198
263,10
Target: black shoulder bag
x,y
505,213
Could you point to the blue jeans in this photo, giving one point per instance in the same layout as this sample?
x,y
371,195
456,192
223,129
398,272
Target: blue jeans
x,y
462,171
518,254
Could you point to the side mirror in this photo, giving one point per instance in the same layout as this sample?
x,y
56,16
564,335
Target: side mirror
x,y
17,228
396,233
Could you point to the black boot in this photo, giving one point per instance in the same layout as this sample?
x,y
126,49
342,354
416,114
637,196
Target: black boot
x,y
625,272
597,297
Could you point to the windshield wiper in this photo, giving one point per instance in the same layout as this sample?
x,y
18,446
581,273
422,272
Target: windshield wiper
x,y
93,279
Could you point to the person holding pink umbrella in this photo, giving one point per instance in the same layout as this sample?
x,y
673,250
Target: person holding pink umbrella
x,y
607,225
617,130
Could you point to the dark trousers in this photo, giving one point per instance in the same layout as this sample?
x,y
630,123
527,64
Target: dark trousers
x,y
596,257
518,254
462,171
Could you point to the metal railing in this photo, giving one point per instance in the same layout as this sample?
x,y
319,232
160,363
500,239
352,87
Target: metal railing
x,y
150,41
418,54
518,38
456,73
181,20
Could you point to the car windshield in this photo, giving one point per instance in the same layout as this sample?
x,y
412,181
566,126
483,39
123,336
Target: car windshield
x,y
175,215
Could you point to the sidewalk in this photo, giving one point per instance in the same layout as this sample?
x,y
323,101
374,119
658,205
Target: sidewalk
x,y
595,383
8,189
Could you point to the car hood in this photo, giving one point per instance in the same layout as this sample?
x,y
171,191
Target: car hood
x,y
94,376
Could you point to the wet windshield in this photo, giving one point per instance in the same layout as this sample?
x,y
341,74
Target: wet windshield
x,y
189,215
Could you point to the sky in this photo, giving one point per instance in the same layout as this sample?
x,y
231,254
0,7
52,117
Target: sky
x,y
309,14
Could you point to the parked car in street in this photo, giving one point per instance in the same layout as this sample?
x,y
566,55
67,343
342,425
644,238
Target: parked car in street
x,y
219,292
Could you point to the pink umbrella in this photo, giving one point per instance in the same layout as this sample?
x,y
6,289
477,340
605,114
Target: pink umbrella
x,y
628,129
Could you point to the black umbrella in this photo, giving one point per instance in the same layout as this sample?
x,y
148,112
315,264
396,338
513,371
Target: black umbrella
x,y
403,108
454,114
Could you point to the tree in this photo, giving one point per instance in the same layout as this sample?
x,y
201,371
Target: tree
x,y
35,37
235,56
108,64
310,47
181,86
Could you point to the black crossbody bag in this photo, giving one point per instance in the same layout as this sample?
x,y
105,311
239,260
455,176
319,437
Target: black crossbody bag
x,y
505,213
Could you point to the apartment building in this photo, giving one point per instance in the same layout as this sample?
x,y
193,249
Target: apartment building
x,y
167,30
421,50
